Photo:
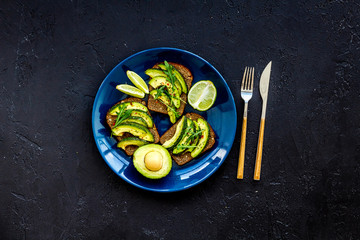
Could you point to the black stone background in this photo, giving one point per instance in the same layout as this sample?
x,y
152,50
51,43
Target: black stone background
x,y
54,183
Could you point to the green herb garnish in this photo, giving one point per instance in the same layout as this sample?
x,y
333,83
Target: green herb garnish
x,y
194,134
168,72
123,114
160,91
177,114
191,138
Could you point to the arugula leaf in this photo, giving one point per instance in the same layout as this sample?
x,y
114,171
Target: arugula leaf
x,y
177,114
188,131
122,115
160,91
168,72
191,138
194,134
125,115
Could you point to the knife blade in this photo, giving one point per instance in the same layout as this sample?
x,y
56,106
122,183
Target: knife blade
x,y
264,89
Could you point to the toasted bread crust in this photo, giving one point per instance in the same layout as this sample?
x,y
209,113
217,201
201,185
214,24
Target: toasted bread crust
x,y
110,120
157,106
186,157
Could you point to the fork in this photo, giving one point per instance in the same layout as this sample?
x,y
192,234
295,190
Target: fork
x,y
247,86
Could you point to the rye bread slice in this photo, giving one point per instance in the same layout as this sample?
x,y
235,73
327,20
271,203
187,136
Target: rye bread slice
x,y
110,120
157,106
186,157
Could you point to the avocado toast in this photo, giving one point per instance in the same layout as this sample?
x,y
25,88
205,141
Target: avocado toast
x,y
125,132
186,156
169,106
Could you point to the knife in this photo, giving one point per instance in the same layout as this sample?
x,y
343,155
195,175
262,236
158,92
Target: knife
x,y
264,88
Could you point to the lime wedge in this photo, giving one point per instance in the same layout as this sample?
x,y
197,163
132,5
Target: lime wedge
x,y
137,81
202,95
130,90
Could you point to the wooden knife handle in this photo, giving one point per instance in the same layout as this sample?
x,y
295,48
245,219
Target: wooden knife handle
x,y
240,171
259,150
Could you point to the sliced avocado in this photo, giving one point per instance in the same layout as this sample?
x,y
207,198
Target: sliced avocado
x,y
172,115
161,66
154,72
162,97
152,161
195,141
135,129
131,141
137,120
185,139
178,76
204,138
180,79
173,91
128,105
178,86
179,131
165,100
145,116
159,81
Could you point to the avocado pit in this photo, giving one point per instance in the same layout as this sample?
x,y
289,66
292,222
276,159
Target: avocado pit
x,y
153,161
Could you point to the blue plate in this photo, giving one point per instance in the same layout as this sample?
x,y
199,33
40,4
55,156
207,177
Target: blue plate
x,y
221,116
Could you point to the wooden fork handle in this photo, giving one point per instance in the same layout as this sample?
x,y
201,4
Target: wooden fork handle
x,y
240,171
259,150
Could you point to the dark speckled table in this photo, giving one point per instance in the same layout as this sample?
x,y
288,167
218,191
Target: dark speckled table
x,y
54,183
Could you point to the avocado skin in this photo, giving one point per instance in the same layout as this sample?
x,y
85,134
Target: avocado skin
x,y
139,164
134,141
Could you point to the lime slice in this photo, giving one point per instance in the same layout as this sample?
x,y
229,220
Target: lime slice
x,y
137,81
202,95
130,90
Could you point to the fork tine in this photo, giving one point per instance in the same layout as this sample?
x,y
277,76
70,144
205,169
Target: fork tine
x,y
248,79
252,79
243,80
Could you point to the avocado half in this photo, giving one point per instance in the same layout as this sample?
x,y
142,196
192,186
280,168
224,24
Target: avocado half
x,y
152,161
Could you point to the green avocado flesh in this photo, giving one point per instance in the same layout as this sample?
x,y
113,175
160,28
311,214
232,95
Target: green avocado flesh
x,y
153,72
137,120
172,115
196,139
128,105
162,97
141,154
180,129
185,139
131,141
144,115
204,138
173,91
180,82
162,66
135,129
165,100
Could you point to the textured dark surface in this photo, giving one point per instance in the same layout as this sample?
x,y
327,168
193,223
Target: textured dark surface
x,y
54,183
